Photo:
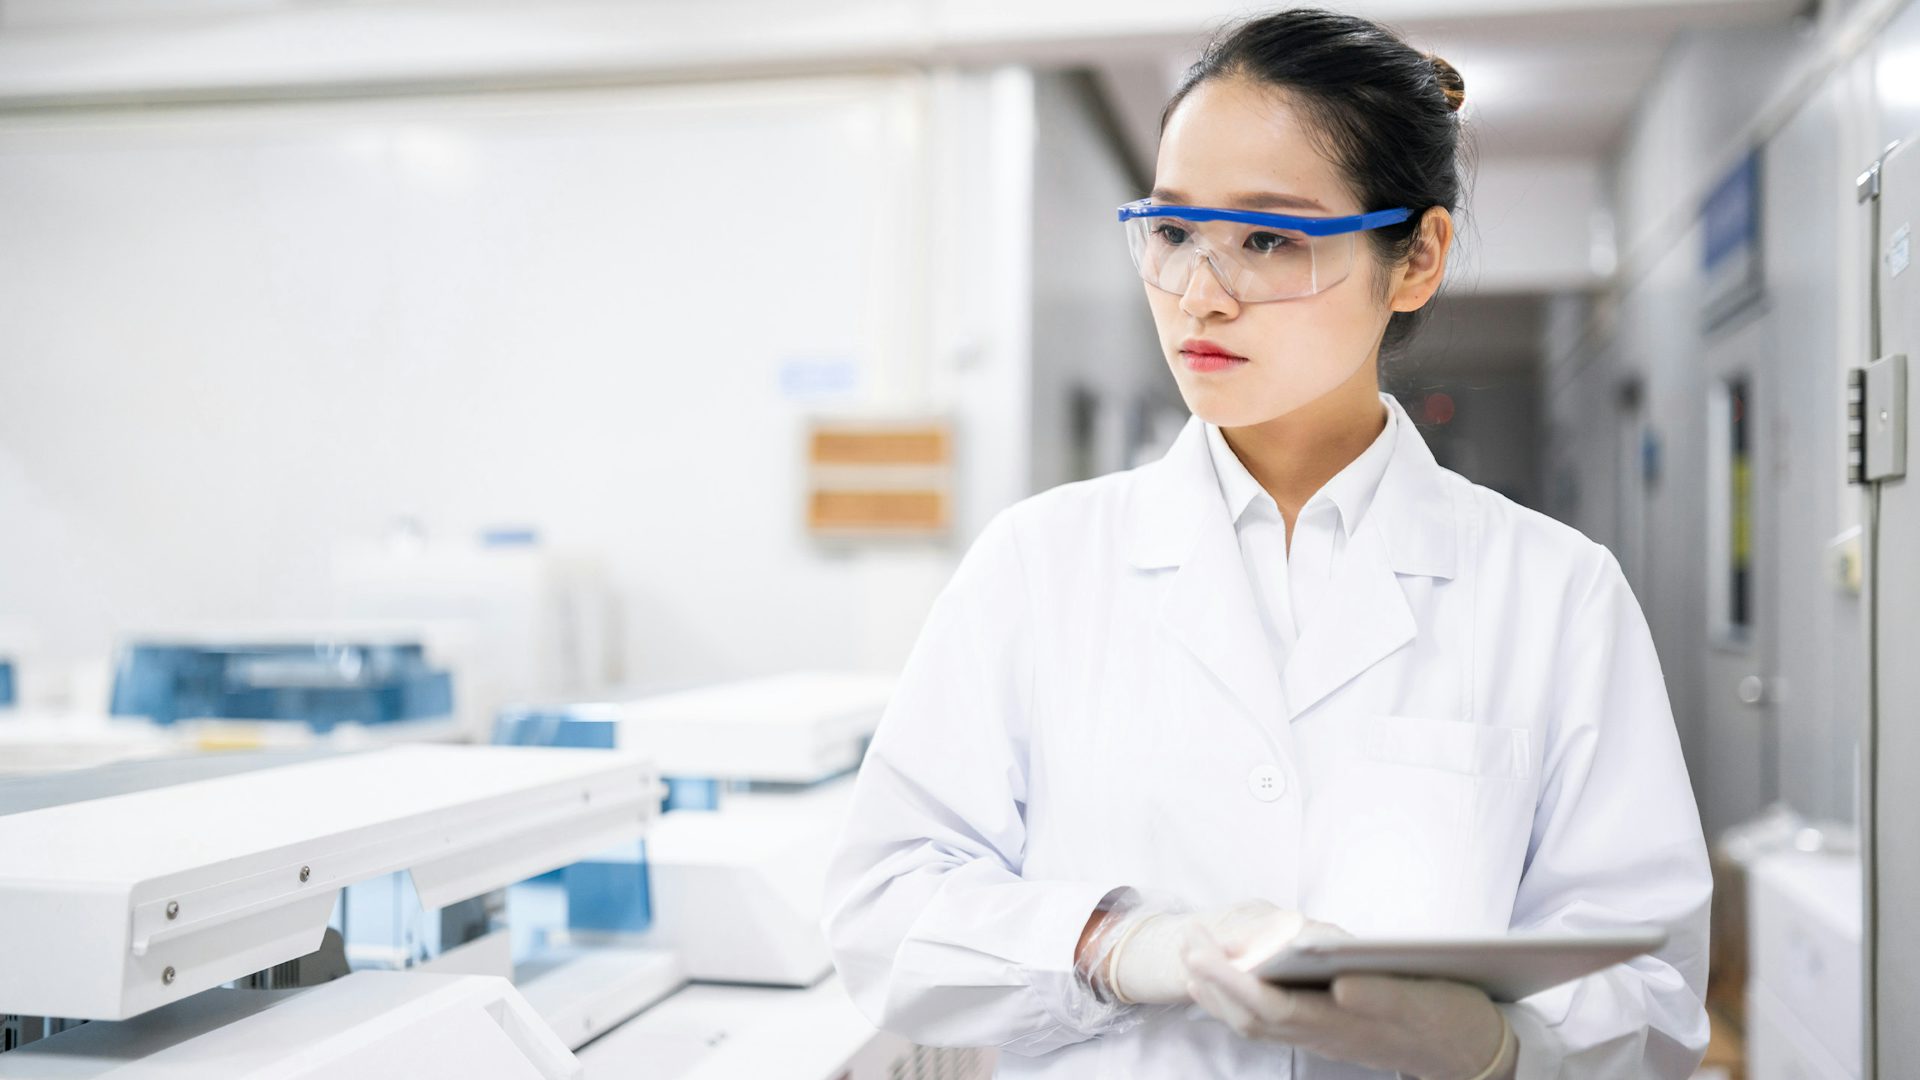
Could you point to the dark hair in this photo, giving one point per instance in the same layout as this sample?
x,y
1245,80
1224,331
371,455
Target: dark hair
x,y
1384,112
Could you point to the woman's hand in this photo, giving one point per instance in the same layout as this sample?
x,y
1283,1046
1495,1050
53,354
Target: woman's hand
x,y
1147,961
1427,1028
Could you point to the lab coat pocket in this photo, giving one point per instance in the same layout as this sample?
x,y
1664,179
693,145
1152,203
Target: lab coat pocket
x,y
1426,829
1458,746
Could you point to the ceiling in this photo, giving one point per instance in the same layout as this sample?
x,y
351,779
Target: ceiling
x,y
1544,77
1540,83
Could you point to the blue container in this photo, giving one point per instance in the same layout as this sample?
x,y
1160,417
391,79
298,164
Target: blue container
x,y
321,685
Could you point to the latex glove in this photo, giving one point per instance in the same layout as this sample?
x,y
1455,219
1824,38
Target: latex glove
x,y
1148,965
1432,1029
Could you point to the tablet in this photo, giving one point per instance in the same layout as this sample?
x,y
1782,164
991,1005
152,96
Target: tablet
x,y
1508,967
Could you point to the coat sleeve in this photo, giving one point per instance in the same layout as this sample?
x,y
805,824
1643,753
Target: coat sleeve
x,y
934,930
1616,844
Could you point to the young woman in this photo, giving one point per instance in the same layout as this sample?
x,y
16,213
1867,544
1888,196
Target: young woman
x,y
1294,673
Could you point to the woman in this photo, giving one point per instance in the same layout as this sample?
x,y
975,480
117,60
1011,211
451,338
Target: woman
x,y
1292,674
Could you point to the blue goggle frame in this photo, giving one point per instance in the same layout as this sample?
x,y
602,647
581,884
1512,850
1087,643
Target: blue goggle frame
x,y
1312,226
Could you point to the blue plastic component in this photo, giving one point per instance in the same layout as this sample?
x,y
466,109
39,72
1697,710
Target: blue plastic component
x,y
552,727
609,895
6,683
606,893
593,727
688,793
321,685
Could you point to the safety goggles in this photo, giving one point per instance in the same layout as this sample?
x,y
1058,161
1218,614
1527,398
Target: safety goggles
x,y
1255,256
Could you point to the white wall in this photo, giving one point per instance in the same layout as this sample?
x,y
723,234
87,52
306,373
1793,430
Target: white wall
x,y
1092,330
233,338
1530,227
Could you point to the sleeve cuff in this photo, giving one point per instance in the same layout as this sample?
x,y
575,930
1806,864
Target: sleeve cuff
x,y
1540,1048
1060,913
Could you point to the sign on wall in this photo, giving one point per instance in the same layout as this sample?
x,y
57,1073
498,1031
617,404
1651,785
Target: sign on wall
x,y
878,478
1730,259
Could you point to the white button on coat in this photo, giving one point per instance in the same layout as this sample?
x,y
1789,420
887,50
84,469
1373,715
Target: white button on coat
x,y
1267,783
1474,724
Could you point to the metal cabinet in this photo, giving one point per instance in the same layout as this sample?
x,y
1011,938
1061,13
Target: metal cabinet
x,y
1881,401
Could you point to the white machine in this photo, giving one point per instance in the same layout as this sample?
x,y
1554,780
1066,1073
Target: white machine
x,y
531,619
760,773
152,908
525,911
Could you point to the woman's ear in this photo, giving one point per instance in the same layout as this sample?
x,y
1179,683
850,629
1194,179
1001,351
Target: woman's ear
x,y
1417,280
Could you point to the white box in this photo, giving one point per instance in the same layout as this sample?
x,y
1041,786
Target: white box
x,y
1804,927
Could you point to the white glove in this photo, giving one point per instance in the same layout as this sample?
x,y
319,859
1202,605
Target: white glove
x,y
1145,963
1427,1028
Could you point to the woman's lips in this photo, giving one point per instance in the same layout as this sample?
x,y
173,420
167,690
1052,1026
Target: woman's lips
x,y
1205,356
1211,361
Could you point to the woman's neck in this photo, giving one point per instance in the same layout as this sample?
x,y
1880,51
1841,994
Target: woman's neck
x,y
1293,456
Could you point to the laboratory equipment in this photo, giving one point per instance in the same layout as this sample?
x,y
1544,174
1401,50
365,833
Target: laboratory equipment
x,y
252,686
731,877
321,683
532,619
132,895
504,907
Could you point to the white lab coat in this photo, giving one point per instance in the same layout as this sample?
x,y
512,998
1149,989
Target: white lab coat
x,y
1474,736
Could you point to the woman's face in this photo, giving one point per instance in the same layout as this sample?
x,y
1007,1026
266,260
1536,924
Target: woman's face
x,y
1234,143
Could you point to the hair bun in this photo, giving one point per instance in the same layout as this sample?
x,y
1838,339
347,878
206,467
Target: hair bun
x,y
1451,84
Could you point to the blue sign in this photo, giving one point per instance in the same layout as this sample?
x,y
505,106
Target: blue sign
x,y
1730,255
1730,218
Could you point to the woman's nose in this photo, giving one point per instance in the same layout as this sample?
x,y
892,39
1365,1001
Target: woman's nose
x,y
1206,295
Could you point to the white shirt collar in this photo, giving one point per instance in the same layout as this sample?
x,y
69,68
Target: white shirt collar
x,y
1351,490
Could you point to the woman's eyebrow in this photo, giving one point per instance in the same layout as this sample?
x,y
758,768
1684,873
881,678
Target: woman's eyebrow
x,y
1252,200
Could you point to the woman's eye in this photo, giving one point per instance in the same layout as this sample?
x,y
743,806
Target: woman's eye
x,y
1170,234
1266,243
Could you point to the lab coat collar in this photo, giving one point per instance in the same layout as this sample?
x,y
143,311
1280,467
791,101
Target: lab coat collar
x,y
1179,518
1349,492
1412,506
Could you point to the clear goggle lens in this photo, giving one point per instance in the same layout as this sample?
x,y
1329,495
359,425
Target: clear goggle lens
x,y
1255,255
1252,262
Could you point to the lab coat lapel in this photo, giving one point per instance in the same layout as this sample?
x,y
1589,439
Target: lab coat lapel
x,y
1366,619
1210,608
1410,529
1179,519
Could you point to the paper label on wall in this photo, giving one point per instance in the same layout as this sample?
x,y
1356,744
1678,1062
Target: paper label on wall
x,y
1899,250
